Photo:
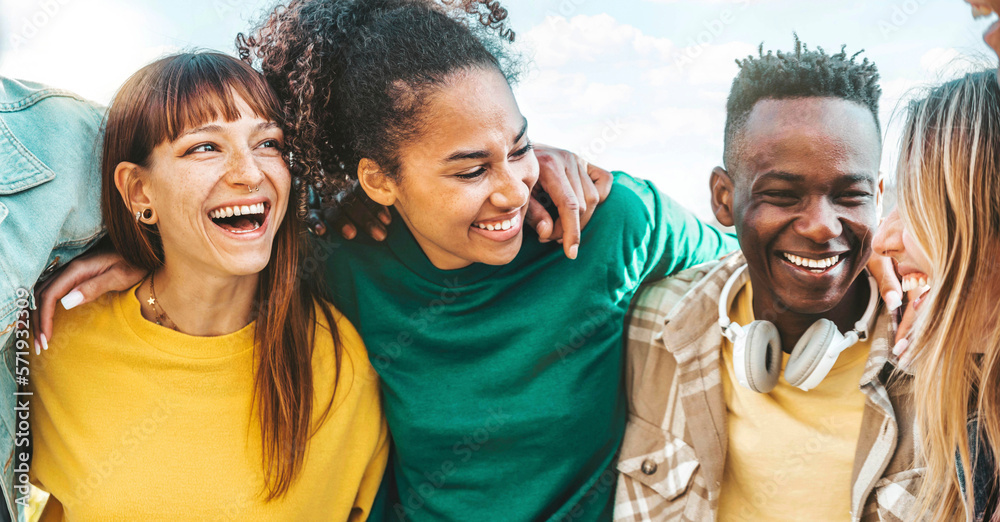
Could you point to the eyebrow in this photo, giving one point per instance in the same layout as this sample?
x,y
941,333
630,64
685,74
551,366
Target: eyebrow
x,y
483,154
793,178
266,125
216,128
203,128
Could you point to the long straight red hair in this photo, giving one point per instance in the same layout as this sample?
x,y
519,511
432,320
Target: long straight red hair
x,y
156,105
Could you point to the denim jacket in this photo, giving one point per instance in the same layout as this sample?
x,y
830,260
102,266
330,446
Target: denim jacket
x,y
49,213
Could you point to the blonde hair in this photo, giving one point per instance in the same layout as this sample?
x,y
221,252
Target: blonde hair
x,y
949,186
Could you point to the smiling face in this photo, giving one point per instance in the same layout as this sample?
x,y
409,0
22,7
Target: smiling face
x,y
895,241
219,192
804,199
464,183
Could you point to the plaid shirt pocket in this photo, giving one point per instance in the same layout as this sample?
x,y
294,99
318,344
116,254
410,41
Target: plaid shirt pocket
x,y
895,495
656,469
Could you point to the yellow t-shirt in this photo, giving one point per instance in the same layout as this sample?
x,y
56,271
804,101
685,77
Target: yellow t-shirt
x,y
791,453
134,421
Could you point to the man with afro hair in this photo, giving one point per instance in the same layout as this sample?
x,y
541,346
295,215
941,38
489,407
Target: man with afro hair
x,y
761,386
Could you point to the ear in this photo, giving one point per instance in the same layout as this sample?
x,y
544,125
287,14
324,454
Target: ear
x,y
376,182
722,196
131,184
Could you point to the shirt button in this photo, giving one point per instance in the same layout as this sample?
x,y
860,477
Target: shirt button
x,y
648,467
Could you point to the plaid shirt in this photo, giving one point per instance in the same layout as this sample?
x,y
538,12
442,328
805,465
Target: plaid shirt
x,y
674,451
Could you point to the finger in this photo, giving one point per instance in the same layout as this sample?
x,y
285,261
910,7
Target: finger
x,y
557,189
36,332
315,222
882,269
906,323
566,196
118,278
557,231
379,211
591,195
573,174
900,347
363,219
603,180
348,231
570,219
539,218
65,281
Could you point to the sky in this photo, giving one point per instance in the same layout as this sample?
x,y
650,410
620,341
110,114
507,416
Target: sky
x,y
633,85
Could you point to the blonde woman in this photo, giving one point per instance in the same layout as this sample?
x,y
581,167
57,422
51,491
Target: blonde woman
x,y
950,232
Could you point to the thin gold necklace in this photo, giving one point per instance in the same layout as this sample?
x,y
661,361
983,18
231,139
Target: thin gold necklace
x,y
158,312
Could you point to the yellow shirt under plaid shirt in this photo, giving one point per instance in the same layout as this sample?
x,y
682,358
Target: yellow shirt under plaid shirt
x,y
672,461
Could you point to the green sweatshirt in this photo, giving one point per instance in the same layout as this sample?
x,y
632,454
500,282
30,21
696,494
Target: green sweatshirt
x,y
503,384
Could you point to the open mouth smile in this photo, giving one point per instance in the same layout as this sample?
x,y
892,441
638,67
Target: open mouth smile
x,y
981,10
242,220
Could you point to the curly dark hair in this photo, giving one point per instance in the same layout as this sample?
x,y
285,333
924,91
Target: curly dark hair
x,y
353,76
799,74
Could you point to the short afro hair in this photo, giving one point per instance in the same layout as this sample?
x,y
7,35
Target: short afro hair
x,y
804,73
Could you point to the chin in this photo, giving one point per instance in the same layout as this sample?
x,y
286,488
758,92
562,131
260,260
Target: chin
x,y
245,267
812,305
501,256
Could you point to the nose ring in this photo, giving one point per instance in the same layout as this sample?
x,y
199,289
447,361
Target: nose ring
x,y
253,189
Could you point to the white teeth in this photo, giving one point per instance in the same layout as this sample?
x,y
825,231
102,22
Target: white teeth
x,y
981,11
914,283
815,264
506,224
238,210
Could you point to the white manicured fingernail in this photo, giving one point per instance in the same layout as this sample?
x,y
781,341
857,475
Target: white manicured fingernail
x,y
900,347
45,342
893,300
72,299
38,349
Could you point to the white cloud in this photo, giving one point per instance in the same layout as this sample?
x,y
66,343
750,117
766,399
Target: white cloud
x,y
944,63
625,99
559,41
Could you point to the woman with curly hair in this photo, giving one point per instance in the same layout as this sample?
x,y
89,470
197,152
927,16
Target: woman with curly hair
x,y
500,358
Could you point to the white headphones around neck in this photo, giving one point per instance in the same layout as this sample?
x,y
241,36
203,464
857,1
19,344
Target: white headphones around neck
x,y
757,347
